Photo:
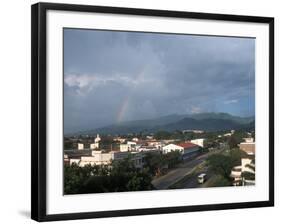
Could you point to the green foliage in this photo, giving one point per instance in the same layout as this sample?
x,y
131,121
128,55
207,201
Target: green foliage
x,y
172,158
248,175
203,150
75,176
72,179
222,164
221,181
236,138
139,181
120,176
68,145
233,142
177,135
162,135
235,156
156,162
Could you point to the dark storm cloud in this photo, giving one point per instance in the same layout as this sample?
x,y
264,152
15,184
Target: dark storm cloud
x,y
115,76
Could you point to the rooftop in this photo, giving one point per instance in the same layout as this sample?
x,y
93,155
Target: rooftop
x,y
187,145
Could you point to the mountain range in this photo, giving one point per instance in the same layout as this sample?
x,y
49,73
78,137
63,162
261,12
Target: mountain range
x,y
173,122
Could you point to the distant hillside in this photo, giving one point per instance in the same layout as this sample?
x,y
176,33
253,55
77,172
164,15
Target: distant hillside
x,y
208,124
223,116
203,121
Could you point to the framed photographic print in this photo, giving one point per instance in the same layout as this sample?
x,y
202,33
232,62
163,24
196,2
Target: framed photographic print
x,y
140,111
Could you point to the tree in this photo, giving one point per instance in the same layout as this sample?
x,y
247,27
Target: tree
x,y
72,179
119,176
172,158
220,164
154,162
233,142
140,181
235,156
221,181
162,135
236,138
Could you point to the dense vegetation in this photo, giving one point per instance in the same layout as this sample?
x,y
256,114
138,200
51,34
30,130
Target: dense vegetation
x,y
157,163
120,176
222,164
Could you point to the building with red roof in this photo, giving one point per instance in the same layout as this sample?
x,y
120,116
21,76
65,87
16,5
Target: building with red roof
x,y
187,145
187,149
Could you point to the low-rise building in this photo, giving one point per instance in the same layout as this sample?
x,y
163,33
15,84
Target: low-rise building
x,y
119,139
106,158
94,145
249,140
193,131
237,172
147,148
198,141
247,166
129,146
187,149
80,146
248,147
155,143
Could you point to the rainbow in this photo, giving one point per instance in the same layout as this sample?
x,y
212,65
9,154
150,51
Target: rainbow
x,y
123,108
125,104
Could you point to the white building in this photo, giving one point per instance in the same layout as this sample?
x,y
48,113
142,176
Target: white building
x,y
172,147
198,141
187,149
229,133
193,131
155,143
97,158
247,164
94,145
80,146
74,160
147,149
97,139
237,171
125,147
101,158
248,140
129,146
119,139
248,147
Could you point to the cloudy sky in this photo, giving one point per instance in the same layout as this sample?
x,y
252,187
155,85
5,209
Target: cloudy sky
x,y
115,76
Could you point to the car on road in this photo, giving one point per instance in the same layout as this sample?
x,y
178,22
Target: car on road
x,y
201,178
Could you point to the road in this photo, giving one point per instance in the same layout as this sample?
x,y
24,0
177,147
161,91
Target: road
x,y
192,181
177,174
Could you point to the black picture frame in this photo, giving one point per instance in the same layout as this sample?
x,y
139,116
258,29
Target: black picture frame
x,y
39,122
